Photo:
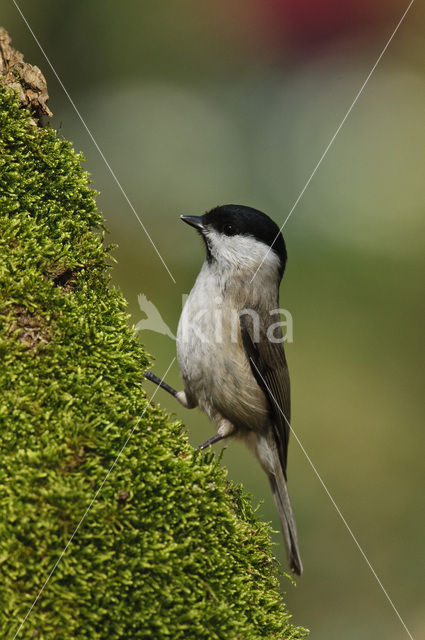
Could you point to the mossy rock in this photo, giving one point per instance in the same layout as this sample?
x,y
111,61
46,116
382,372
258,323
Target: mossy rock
x,y
169,548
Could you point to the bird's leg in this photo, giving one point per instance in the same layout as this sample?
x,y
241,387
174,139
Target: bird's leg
x,y
210,441
225,430
181,396
153,378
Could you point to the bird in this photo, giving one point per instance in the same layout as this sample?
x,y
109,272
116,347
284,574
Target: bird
x,y
230,346
153,321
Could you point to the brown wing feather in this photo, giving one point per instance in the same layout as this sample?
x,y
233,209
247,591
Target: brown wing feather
x,y
269,367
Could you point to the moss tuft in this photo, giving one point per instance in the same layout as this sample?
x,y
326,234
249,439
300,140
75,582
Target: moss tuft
x,y
169,548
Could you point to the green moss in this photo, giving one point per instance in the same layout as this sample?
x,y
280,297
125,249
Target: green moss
x,y
169,548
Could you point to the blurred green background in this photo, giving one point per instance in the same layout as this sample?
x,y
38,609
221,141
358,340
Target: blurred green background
x,y
197,104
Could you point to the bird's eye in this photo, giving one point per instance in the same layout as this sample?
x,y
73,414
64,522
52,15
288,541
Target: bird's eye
x,y
229,229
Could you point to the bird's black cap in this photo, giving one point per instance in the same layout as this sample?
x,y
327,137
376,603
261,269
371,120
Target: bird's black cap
x,y
233,219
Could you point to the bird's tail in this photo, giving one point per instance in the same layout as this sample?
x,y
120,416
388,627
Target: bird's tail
x,y
287,520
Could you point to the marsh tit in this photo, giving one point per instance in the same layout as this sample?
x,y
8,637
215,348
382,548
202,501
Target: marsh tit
x,y
230,346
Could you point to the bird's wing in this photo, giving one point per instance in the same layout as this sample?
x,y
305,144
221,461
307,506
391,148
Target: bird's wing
x,y
269,368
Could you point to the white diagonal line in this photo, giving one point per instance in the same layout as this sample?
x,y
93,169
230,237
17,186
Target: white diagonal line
x,y
111,171
341,124
88,509
319,477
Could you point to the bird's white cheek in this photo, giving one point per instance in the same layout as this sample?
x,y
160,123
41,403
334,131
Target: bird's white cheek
x,y
241,251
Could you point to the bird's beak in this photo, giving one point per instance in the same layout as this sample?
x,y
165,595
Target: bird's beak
x,y
194,221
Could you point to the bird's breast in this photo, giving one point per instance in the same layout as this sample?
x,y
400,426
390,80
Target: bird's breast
x,y
212,360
